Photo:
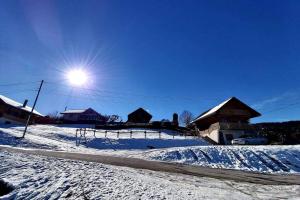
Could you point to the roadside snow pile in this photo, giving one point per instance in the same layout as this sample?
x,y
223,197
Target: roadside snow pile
x,y
278,159
63,138
38,177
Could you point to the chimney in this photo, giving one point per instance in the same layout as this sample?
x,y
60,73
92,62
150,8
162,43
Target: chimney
x,y
25,103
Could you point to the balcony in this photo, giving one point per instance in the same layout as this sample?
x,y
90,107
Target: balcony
x,y
234,126
226,126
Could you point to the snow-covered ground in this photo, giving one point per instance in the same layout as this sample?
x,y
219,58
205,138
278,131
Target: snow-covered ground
x,y
38,177
269,159
64,138
195,151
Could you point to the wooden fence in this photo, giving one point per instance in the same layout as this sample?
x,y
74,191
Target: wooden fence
x,y
82,132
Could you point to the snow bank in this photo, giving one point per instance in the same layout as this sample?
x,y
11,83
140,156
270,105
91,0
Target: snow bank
x,y
278,159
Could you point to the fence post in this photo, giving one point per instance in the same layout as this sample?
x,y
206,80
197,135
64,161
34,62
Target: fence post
x,y
84,133
173,135
94,132
130,134
145,134
118,134
79,136
105,133
76,136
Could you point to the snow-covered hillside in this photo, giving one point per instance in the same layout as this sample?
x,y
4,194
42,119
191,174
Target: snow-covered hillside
x,y
195,151
64,138
38,177
280,159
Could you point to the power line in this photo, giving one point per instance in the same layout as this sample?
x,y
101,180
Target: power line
x,y
93,97
283,107
17,84
17,91
120,94
111,96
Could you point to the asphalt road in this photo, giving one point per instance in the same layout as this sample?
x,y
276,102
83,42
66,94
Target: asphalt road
x,y
236,175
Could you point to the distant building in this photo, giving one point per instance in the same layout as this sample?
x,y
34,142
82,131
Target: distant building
x,y
83,116
13,112
139,116
175,120
226,121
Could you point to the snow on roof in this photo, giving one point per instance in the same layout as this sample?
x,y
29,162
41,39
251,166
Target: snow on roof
x,y
75,111
218,107
18,105
213,110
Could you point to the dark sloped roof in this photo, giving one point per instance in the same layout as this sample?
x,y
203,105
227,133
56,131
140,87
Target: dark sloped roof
x,y
140,110
215,109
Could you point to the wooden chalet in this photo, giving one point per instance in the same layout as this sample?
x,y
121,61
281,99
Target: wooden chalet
x,y
13,112
226,121
139,116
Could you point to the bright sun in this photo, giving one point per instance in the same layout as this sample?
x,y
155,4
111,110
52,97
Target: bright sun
x,y
77,77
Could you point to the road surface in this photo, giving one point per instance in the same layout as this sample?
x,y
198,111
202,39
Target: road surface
x,y
236,175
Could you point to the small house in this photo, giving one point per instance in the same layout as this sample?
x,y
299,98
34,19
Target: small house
x,y
139,116
83,116
13,112
226,121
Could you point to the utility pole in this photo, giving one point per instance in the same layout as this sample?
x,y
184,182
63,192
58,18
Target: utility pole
x,y
36,98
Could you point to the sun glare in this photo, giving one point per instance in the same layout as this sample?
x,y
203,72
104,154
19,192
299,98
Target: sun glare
x,y
77,77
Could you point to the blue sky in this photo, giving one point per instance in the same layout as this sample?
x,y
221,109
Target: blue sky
x,y
165,56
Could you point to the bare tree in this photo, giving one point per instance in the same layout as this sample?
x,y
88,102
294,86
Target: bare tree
x,y
114,118
186,117
53,115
